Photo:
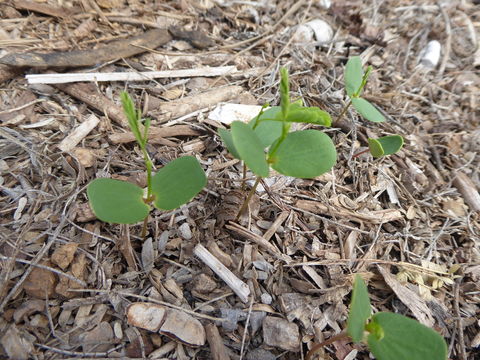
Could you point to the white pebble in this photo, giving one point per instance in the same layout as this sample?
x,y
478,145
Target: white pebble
x,y
430,55
323,31
266,298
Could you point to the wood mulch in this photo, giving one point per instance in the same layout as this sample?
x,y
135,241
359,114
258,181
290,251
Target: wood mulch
x,y
74,287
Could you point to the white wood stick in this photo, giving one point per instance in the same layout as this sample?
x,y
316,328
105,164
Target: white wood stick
x,y
128,76
79,133
238,286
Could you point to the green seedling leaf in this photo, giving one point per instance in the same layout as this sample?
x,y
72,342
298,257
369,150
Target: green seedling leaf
x,y
177,183
284,92
310,115
353,75
367,110
386,145
403,338
268,127
227,139
305,154
250,148
116,201
360,310
133,116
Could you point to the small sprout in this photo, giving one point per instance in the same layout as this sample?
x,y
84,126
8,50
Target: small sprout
x,y
385,145
266,141
360,310
175,184
391,336
355,81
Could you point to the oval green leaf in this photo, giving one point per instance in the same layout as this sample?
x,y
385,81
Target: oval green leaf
x,y
250,148
116,201
269,127
405,339
367,110
227,139
385,145
360,310
353,75
177,183
309,115
305,154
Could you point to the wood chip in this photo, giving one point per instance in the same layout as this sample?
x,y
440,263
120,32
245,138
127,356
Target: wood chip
x,y
374,216
281,333
218,349
146,316
63,255
413,301
79,133
183,327
238,286
15,345
127,76
41,283
176,108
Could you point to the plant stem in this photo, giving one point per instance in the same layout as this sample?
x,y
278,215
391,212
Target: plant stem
x,y
244,176
144,227
343,111
317,347
249,197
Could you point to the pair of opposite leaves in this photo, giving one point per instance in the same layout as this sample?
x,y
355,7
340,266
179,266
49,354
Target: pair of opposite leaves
x,y
302,154
122,202
355,80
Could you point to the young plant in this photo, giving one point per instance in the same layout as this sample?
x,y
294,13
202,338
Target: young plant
x,y
389,336
266,141
175,184
355,81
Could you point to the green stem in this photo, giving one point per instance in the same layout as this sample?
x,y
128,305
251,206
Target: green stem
x,y
343,111
249,197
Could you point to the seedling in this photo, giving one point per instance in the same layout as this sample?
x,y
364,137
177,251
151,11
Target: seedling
x,y
389,336
266,141
175,184
355,81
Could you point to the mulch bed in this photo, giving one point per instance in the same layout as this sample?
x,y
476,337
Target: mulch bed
x,y
408,223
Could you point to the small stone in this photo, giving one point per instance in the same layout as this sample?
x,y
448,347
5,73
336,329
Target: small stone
x,y
322,30
430,55
185,231
260,354
281,333
266,298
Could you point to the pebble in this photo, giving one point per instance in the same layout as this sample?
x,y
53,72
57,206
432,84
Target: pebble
x,y
430,55
185,231
266,298
322,31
